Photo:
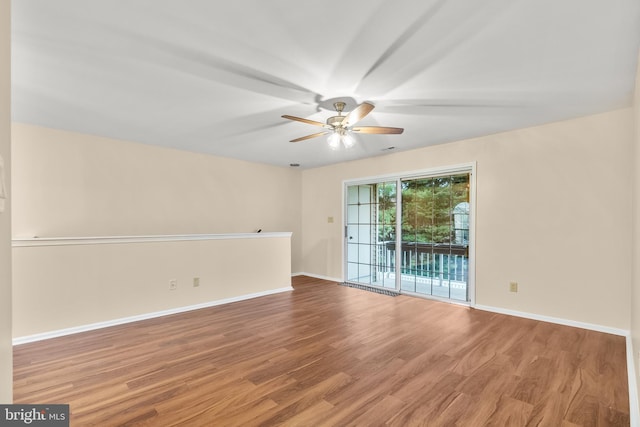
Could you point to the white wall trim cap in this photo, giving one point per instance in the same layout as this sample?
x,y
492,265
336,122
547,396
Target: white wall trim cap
x,y
102,240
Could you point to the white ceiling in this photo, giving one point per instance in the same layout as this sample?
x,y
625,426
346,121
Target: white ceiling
x,y
215,76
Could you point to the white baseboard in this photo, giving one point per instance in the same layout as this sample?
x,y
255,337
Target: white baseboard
x,y
317,276
557,320
145,316
634,409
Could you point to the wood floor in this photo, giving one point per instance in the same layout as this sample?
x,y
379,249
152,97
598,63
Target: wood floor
x,y
329,355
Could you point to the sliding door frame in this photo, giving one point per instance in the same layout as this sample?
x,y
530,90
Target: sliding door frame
x,y
469,168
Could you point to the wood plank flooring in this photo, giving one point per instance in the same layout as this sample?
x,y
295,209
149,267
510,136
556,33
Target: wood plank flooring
x,y
330,355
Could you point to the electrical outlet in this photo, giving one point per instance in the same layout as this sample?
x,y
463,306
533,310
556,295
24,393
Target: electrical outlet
x,y
513,286
173,285
196,282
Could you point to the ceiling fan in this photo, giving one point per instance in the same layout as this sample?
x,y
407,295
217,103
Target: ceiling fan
x,y
340,127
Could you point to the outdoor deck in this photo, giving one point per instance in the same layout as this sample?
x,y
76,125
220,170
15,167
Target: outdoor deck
x,y
427,269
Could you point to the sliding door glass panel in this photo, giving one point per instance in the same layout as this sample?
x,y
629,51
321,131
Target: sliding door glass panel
x,y
435,233
370,234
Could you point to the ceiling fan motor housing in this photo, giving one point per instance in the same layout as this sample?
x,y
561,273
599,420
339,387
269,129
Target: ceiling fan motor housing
x,y
335,121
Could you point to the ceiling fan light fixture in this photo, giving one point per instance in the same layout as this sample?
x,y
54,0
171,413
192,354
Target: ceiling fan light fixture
x,y
334,141
341,137
348,140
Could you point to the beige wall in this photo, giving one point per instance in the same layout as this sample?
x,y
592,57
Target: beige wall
x,y
70,184
551,200
83,284
553,213
6,351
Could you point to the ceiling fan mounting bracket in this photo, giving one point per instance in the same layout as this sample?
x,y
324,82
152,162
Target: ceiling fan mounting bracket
x,y
336,121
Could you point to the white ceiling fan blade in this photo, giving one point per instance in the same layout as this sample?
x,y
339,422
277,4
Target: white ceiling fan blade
x,y
212,67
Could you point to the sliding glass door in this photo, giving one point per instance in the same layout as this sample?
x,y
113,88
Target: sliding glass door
x,y
371,224
411,234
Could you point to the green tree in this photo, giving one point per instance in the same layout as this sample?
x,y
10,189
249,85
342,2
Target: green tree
x,y
427,206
